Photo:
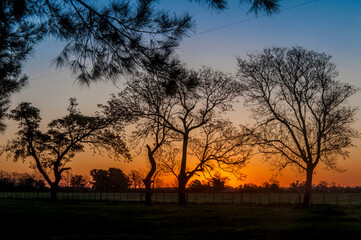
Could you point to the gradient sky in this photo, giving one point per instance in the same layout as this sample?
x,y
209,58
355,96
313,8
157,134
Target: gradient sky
x,y
330,26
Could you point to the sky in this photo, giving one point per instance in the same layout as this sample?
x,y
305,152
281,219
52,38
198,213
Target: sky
x,y
330,26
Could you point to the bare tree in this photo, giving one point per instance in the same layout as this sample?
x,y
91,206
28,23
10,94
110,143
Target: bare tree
x,y
200,97
147,102
78,182
189,102
136,177
51,151
218,145
301,110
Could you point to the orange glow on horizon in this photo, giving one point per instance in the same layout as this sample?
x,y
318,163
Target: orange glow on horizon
x,y
256,171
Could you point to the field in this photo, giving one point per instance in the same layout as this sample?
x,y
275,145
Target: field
x,y
335,199
33,219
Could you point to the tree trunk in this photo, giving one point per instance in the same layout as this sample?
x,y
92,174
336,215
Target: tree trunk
x,y
53,193
148,192
308,188
182,177
148,180
182,183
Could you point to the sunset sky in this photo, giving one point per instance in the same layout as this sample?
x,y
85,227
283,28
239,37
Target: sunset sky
x,y
330,26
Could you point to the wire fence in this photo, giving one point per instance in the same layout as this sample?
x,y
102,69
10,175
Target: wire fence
x,y
336,199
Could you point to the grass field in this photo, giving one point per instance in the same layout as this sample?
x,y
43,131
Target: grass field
x,y
336,199
31,219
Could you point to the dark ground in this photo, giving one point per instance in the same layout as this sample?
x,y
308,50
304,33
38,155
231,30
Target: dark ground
x,y
21,219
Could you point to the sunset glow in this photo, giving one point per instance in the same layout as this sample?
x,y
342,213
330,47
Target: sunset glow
x,y
332,27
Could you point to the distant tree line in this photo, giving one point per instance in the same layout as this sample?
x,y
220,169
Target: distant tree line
x,y
111,180
219,185
115,180
20,182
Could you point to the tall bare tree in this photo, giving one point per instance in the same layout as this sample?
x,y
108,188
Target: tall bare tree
x,y
145,99
302,111
51,151
189,101
200,97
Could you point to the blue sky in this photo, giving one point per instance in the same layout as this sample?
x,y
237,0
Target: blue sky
x,y
330,26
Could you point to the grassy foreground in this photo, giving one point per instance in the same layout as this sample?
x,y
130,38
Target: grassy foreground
x,y
22,219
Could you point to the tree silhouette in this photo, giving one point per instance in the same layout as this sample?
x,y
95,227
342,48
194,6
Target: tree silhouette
x,y
116,38
301,110
77,181
218,183
51,151
136,177
17,36
199,99
122,36
180,105
112,179
103,41
197,186
146,100
267,6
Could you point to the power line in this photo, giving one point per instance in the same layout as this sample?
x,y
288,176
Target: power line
x,y
252,18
